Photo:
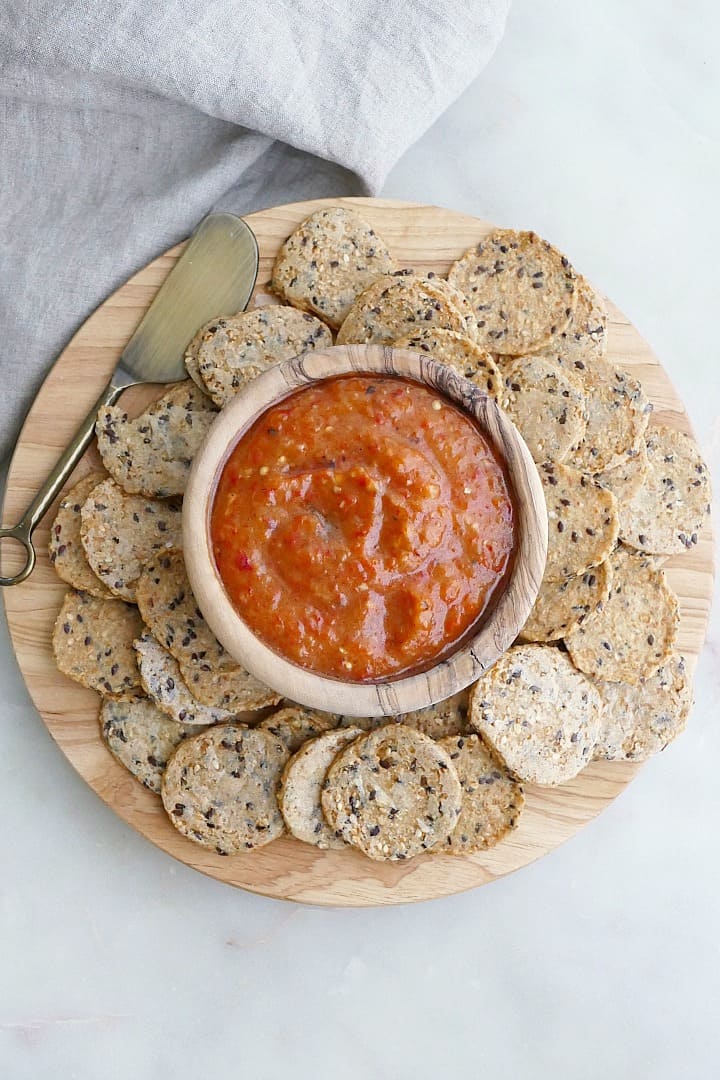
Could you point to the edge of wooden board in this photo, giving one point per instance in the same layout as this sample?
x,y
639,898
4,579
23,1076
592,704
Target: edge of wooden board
x,y
429,238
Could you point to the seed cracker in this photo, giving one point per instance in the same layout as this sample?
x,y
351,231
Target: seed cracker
x,y
191,355
522,290
666,514
546,405
627,478
618,414
326,263
641,720
120,533
582,521
67,554
448,717
141,738
458,352
93,643
295,725
234,690
240,348
585,337
393,793
365,723
538,713
152,454
562,605
457,298
170,612
220,788
492,799
301,786
163,683
634,633
398,305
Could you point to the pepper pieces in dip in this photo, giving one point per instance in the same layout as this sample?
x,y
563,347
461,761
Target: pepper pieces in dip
x,y
361,527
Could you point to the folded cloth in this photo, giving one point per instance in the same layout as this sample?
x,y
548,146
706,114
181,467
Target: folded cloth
x,y
122,124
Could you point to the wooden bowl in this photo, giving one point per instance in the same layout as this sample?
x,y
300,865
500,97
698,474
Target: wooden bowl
x,y
486,641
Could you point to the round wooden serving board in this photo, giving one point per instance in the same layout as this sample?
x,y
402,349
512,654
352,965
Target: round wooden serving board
x,y
424,237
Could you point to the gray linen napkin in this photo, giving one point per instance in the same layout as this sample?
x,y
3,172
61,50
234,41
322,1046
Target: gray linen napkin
x,y
122,124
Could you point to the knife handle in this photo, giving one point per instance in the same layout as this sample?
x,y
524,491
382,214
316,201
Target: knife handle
x,y
23,531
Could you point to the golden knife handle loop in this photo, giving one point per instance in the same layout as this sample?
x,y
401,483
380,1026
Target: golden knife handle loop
x,y
22,532
22,537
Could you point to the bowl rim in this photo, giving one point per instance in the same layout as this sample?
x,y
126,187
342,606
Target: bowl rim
x,y
451,673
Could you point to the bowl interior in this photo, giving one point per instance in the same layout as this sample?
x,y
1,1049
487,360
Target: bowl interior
x,y
482,644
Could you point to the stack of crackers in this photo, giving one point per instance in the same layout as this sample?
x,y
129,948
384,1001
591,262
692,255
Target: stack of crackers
x,y
595,672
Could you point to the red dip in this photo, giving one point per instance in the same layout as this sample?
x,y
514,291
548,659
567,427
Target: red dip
x,y
361,527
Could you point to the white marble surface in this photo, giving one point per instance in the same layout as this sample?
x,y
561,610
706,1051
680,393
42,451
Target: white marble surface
x,y
598,125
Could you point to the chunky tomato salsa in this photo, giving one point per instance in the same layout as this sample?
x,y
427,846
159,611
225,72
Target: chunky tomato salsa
x,y
361,526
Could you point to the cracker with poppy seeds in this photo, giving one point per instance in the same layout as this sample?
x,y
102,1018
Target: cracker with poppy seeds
x,y
121,532
458,352
546,405
365,723
666,514
585,337
295,724
93,643
457,298
191,351
152,454
448,717
397,305
560,606
538,713
393,793
163,683
233,689
641,720
492,799
235,351
220,788
141,737
206,332
67,554
326,263
171,614
582,521
521,289
634,633
627,478
301,786
618,413
169,611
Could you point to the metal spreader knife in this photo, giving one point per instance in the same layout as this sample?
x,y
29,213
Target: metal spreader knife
x,y
214,276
